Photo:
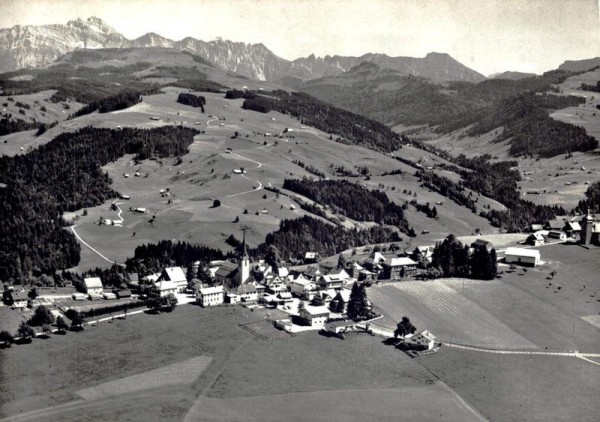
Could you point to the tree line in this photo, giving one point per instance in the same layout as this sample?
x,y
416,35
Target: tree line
x,y
122,100
451,258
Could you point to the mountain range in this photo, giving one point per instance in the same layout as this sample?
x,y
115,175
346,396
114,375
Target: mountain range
x,y
35,46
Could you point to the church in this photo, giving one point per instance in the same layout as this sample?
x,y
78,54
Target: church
x,y
590,230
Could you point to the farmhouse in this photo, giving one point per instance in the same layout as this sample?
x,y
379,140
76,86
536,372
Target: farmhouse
x,y
175,275
226,272
165,287
20,299
422,341
535,239
311,257
399,268
210,296
422,253
314,316
93,286
572,228
529,257
275,284
340,327
535,227
247,293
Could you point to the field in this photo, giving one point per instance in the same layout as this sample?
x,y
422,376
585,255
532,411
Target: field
x,y
151,365
520,388
523,309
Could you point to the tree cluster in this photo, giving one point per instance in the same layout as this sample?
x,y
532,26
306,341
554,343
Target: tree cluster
x,y
120,101
192,100
351,200
592,201
451,258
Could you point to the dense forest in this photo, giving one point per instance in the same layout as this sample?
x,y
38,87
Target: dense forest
x,y
10,124
295,237
121,100
152,258
352,200
65,175
354,128
191,100
592,88
447,188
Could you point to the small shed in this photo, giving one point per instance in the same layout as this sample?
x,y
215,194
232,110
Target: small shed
x,y
522,256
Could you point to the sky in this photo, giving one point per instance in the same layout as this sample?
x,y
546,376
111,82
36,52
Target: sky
x,y
487,35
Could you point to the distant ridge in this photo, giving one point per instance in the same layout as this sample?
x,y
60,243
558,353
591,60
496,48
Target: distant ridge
x,y
35,46
511,75
580,65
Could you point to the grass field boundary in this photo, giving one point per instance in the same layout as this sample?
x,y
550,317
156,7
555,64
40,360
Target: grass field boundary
x,y
509,351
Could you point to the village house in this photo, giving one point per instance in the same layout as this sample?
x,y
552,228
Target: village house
x,y
399,267
175,275
557,234
164,287
226,272
210,296
20,299
422,253
93,286
521,256
572,228
303,288
536,227
247,293
340,327
311,257
339,304
314,316
312,273
274,284
335,279
535,239
422,341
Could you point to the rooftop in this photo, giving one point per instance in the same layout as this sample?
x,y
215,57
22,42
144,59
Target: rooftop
x,y
523,252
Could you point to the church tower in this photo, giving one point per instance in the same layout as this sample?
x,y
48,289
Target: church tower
x,y
587,228
243,273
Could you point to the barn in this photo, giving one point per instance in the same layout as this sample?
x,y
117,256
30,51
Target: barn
x,y
522,256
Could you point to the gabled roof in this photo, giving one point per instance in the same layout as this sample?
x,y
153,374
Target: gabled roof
x,y
344,295
523,252
310,255
285,295
301,280
210,290
93,283
312,272
226,269
336,275
423,337
400,261
572,225
165,285
174,274
134,277
537,236
316,310
536,227
19,295
246,289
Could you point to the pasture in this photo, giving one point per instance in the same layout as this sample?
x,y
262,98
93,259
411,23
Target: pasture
x,y
520,388
206,173
151,366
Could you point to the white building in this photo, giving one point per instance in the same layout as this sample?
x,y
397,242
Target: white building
x,y
521,256
175,275
301,287
165,287
422,341
314,316
93,286
210,296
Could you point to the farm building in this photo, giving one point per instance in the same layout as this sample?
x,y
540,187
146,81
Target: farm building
x,y
422,341
175,275
274,284
78,296
572,228
165,287
124,196
399,268
423,252
535,239
536,227
313,273
93,286
226,272
141,210
20,299
311,257
314,316
123,294
339,327
210,296
109,296
521,256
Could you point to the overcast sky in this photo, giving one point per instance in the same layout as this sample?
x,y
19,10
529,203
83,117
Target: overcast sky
x,y
487,35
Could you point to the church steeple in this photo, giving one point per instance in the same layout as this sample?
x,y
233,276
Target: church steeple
x,y
587,228
243,261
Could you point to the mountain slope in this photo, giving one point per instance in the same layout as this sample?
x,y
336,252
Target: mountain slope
x,y
579,65
34,46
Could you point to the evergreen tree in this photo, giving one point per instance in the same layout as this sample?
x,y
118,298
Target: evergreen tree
x,y
61,324
358,306
41,316
25,332
6,338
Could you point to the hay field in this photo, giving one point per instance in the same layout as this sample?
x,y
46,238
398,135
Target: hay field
x,y
450,316
386,404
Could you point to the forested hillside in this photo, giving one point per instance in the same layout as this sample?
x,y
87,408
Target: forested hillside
x,y
355,129
352,200
65,175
